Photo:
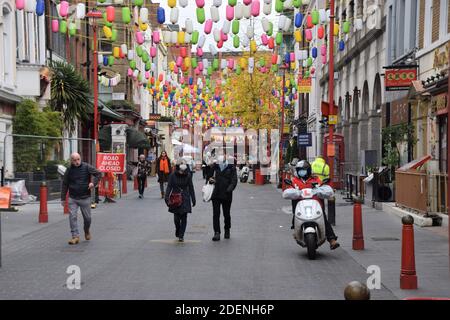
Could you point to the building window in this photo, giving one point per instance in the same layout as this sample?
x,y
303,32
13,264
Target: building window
x,y
444,19
428,19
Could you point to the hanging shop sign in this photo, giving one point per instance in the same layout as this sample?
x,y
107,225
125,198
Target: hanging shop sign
x,y
399,79
154,117
304,140
111,162
304,85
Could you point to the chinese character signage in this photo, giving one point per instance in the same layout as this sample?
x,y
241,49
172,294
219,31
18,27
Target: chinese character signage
x,y
304,85
399,79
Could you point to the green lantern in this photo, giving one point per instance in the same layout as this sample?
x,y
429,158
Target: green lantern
x,y
238,70
110,61
315,17
148,65
72,29
194,62
114,35
63,26
126,15
105,21
145,57
275,68
139,51
309,61
236,41
279,6
201,15
279,39
210,71
262,62
270,31
216,64
138,3
194,38
133,64
346,27
235,27
232,3
297,3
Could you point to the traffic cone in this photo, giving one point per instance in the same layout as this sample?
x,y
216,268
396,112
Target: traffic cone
x,y
408,277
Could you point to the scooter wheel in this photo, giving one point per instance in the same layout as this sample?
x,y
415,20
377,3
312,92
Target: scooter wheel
x,y
310,240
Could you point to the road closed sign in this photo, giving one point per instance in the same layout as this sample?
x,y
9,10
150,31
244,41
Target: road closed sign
x,y
111,162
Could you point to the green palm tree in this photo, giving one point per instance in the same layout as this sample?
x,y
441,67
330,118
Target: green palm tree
x,y
69,94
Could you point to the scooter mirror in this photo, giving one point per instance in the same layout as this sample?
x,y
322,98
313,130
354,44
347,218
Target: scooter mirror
x,y
288,182
325,181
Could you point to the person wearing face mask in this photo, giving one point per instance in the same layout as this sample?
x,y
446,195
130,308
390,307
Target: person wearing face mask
x,y
163,169
304,179
180,181
224,177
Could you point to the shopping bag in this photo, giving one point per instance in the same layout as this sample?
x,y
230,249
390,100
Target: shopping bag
x,y
207,191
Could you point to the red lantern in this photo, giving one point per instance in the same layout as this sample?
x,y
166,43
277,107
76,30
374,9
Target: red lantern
x,y
320,32
309,22
183,52
271,43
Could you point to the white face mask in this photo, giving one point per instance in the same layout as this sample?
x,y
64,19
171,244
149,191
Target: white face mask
x,y
183,167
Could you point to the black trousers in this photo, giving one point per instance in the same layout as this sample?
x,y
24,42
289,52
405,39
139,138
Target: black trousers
x,y
141,184
226,206
329,232
180,221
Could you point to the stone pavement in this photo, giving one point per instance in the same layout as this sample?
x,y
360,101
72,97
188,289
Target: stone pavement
x,y
134,255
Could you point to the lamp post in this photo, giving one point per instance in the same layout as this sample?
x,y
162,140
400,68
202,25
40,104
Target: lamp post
x,y
331,155
283,67
93,15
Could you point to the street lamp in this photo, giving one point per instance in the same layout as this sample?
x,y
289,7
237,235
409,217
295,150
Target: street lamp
x,y
283,67
93,15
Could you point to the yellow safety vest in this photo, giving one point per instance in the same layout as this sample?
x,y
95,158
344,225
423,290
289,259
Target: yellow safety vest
x,y
320,169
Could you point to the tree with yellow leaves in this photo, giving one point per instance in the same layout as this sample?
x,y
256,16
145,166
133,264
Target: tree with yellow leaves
x,y
249,98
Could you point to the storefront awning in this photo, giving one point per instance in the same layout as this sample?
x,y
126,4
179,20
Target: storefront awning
x,y
416,89
105,111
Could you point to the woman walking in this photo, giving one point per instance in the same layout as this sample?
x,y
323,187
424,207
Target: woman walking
x,y
180,183
163,168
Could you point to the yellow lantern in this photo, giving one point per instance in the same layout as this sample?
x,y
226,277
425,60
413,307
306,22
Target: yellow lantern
x,y
107,31
336,29
253,46
187,62
181,37
298,35
293,65
243,63
172,66
116,52
143,26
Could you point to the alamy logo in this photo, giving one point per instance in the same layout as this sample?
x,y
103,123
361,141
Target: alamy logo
x,y
74,280
374,281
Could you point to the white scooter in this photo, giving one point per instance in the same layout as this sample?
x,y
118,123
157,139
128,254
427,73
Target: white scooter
x,y
243,175
309,226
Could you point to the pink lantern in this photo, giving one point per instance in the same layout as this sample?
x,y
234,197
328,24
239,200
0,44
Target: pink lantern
x,y
20,4
110,13
264,39
324,59
55,25
175,69
230,13
197,71
130,72
139,37
156,37
147,75
308,34
313,70
230,63
199,52
64,8
323,50
223,36
179,61
208,26
220,44
247,2
200,66
200,3
153,52
256,5
292,57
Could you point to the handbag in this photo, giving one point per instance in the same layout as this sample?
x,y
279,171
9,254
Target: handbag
x,y
135,172
175,199
207,191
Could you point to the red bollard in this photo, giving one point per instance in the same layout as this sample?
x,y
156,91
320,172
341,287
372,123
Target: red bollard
x,y
124,183
136,186
408,277
66,204
358,238
43,212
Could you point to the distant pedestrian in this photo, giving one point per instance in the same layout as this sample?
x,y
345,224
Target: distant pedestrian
x,y
77,181
224,177
163,169
142,171
180,182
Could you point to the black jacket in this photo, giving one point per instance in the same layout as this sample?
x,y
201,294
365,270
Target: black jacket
x,y
226,182
162,177
181,183
77,179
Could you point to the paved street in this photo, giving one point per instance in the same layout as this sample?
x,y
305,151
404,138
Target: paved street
x,y
134,255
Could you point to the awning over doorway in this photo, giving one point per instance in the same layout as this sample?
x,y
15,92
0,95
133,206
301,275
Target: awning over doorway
x,y
137,139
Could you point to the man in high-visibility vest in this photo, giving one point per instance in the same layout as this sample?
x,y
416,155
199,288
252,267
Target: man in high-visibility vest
x,y
320,168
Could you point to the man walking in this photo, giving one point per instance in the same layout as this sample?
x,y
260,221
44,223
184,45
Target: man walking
x,y
143,169
224,176
77,181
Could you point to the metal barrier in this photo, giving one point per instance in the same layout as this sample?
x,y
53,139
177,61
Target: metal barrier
x,y
437,192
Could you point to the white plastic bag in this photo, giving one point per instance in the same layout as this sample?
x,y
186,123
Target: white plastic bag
x,y
207,191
